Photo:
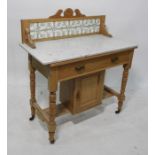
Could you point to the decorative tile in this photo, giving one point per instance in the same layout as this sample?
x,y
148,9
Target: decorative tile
x,y
91,29
64,28
58,33
50,33
78,30
64,32
72,31
92,21
89,22
96,28
85,22
66,23
42,34
42,26
50,25
72,23
33,26
59,25
33,35
97,21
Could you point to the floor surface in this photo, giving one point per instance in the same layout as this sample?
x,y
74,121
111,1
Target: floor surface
x,y
98,131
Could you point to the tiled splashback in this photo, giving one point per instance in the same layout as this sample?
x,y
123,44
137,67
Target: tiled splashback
x,y
64,28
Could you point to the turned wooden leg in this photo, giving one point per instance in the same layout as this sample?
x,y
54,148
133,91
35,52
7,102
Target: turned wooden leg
x,y
32,89
52,113
52,86
121,97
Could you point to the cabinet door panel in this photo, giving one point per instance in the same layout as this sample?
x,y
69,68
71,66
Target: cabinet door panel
x,y
82,93
88,90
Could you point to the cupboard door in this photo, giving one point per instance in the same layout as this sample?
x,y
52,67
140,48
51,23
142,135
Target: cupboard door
x,y
82,93
90,90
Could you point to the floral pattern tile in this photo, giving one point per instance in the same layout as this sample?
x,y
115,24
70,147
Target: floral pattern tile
x,y
64,28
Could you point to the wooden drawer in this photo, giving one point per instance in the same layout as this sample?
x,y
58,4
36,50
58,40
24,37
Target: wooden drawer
x,y
84,67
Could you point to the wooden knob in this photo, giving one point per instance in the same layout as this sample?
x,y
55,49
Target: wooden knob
x,y
114,59
79,68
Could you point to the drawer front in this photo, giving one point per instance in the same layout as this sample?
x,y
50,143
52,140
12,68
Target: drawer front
x,y
92,65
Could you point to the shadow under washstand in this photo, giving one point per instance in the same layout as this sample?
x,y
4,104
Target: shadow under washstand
x,y
82,116
88,114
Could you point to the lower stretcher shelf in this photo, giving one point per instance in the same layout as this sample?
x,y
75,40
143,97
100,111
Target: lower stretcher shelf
x,y
43,114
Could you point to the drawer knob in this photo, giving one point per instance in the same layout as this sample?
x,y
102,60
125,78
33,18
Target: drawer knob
x,y
79,68
114,59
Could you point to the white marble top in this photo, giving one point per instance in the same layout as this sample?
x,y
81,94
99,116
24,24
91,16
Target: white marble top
x,y
53,51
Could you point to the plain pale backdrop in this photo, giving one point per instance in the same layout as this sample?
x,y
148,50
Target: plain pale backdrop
x,y
125,19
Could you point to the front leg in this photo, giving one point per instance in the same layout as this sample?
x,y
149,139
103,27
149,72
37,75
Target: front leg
x,y
32,88
52,113
52,80
121,97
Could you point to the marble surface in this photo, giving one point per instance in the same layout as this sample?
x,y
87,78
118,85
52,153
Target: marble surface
x,y
53,51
